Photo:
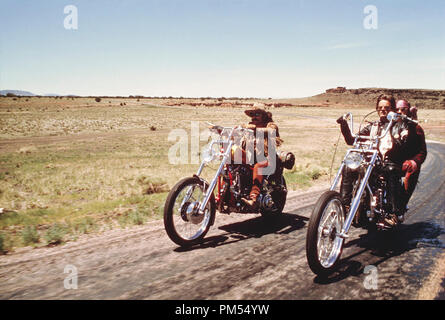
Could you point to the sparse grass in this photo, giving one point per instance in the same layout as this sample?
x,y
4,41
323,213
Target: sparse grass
x,y
6,243
136,217
84,225
2,243
152,185
301,178
55,234
30,235
77,166
297,180
315,174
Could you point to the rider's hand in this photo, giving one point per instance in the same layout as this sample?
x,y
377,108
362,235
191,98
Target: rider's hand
x,y
216,129
409,166
249,126
341,120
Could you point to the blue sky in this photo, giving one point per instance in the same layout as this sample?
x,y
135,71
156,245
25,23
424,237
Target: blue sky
x,y
242,48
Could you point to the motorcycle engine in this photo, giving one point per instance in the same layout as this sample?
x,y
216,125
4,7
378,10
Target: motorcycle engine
x,y
266,201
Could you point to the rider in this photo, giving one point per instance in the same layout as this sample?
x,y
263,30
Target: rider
x,y
261,121
393,148
416,153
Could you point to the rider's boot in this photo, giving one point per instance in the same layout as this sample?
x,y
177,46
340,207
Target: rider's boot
x,y
397,196
391,220
253,201
396,218
401,214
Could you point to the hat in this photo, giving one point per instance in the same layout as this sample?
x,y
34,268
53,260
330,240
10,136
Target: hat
x,y
255,110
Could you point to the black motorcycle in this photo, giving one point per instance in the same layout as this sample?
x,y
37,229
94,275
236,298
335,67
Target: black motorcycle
x,y
371,205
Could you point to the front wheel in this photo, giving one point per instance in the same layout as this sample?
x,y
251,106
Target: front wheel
x,y
182,221
323,243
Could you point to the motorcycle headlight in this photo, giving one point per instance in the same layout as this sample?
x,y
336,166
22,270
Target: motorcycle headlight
x,y
209,153
354,160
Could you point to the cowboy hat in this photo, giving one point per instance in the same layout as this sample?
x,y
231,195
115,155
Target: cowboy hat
x,y
255,111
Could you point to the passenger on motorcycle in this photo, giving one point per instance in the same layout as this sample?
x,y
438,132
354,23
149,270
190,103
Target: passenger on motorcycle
x,y
261,121
416,153
394,148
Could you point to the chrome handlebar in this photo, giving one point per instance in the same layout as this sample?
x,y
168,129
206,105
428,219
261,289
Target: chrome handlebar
x,y
231,130
392,118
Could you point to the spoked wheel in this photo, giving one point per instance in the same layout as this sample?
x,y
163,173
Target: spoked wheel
x,y
182,221
323,245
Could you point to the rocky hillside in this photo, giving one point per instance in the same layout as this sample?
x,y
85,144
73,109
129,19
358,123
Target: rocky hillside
x,y
422,98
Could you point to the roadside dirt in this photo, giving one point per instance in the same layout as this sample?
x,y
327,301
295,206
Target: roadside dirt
x,y
17,143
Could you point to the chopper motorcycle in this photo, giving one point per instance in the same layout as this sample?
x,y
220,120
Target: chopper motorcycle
x,y
330,220
190,207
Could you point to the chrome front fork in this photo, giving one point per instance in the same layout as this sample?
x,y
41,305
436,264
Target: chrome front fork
x,y
356,201
209,191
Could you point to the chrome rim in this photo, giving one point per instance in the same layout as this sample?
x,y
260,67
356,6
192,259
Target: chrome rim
x,y
187,221
329,244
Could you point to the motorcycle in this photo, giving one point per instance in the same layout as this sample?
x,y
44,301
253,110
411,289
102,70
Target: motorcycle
x,y
191,205
330,221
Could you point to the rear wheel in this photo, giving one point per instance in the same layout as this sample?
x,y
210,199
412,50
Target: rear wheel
x,y
323,245
182,221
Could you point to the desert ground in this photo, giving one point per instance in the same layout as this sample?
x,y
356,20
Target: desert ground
x,y
71,166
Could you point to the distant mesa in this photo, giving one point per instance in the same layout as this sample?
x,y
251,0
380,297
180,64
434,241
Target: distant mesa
x,y
17,93
336,90
22,93
51,95
422,98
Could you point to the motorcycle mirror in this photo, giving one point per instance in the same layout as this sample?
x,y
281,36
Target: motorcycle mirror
x,y
392,116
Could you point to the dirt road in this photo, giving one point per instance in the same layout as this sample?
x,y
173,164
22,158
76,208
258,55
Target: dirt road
x,y
242,258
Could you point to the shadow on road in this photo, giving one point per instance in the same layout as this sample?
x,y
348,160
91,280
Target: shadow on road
x,y
252,228
378,247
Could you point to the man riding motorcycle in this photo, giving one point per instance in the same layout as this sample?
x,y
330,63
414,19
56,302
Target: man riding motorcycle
x,y
393,147
416,153
261,122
